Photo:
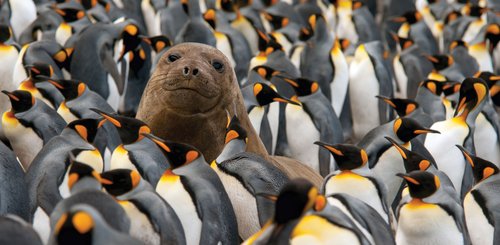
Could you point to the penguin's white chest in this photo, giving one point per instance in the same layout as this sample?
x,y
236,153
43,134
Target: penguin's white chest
x,y
65,113
389,164
93,158
256,115
338,86
336,203
224,46
8,58
480,230
295,57
426,224
301,134
401,78
482,56
273,116
359,187
23,13
248,32
448,157
140,226
486,140
174,193
121,159
317,230
244,205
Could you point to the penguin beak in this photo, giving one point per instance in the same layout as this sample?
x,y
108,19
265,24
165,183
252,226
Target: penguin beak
x,y
11,95
398,147
320,203
466,154
107,117
432,58
285,100
232,134
426,131
106,181
400,19
408,178
386,100
291,82
160,142
329,148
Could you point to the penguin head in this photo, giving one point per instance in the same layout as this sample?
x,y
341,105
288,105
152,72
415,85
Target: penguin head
x,y
130,129
226,5
70,11
262,44
158,43
406,129
5,33
452,16
70,89
86,128
210,17
403,42
440,61
120,181
130,37
178,154
450,88
303,86
74,228
344,44
411,17
277,21
481,168
265,95
273,45
458,43
493,35
234,130
20,100
39,71
402,106
412,160
421,184
296,198
357,5
474,10
433,86
314,24
265,72
347,156
78,171
473,92
488,77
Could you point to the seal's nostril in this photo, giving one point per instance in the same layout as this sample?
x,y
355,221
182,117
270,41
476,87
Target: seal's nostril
x,y
195,71
185,71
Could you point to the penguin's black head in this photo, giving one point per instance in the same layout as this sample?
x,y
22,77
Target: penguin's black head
x,y
265,95
493,35
402,106
488,77
120,181
227,5
263,40
411,17
452,16
276,21
130,129
70,11
458,43
265,72
347,156
405,43
210,17
178,154
305,33
303,86
421,184
20,100
74,228
481,168
433,86
39,71
472,93
158,43
235,131
451,88
474,10
412,160
269,3
70,89
78,171
296,198
440,62
5,33
273,45
344,44
86,128
406,129
131,40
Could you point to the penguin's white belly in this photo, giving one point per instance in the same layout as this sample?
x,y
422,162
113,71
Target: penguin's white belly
x,y
273,116
63,33
92,158
359,187
473,30
224,46
255,116
19,71
41,224
113,97
401,78
64,188
66,114
24,141
174,194
426,225
317,230
448,157
482,57
244,205
480,230
121,159
8,57
149,16
389,164
339,85
345,26
486,140
336,203
23,13
301,134
296,54
257,61
285,43
363,88
140,226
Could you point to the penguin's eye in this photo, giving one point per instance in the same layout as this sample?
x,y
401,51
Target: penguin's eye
x,y
173,57
218,66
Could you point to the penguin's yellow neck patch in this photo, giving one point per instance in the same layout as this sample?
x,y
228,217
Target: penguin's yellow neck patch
x,y
417,203
8,118
312,225
120,150
347,174
6,48
169,177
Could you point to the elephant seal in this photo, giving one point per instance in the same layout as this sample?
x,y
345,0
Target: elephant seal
x,y
187,100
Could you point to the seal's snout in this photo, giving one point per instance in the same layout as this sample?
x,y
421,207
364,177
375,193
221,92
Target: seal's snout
x,y
187,71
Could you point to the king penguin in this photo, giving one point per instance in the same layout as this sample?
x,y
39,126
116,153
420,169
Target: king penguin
x,y
14,230
195,29
8,56
153,221
197,195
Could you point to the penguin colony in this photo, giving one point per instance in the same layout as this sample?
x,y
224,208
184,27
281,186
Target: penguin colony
x,y
394,103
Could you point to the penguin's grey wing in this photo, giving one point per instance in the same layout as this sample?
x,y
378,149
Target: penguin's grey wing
x,y
196,31
365,25
148,159
13,189
162,216
367,217
48,194
375,144
488,191
90,99
328,124
111,211
262,179
14,230
492,116
467,181
336,216
375,52
45,121
241,52
422,35
453,208
265,133
414,73
446,185
49,91
111,67
382,192
418,147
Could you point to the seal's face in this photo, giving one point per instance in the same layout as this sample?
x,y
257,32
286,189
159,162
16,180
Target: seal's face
x,y
189,76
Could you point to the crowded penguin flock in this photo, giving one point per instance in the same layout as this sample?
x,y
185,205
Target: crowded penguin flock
x,y
250,122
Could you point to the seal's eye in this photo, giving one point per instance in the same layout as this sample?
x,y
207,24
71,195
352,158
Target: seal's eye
x,y
218,66
173,57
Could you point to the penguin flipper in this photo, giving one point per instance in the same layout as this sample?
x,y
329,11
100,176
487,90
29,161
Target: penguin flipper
x,y
45,122
467,181
162,216
149,160
265,133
